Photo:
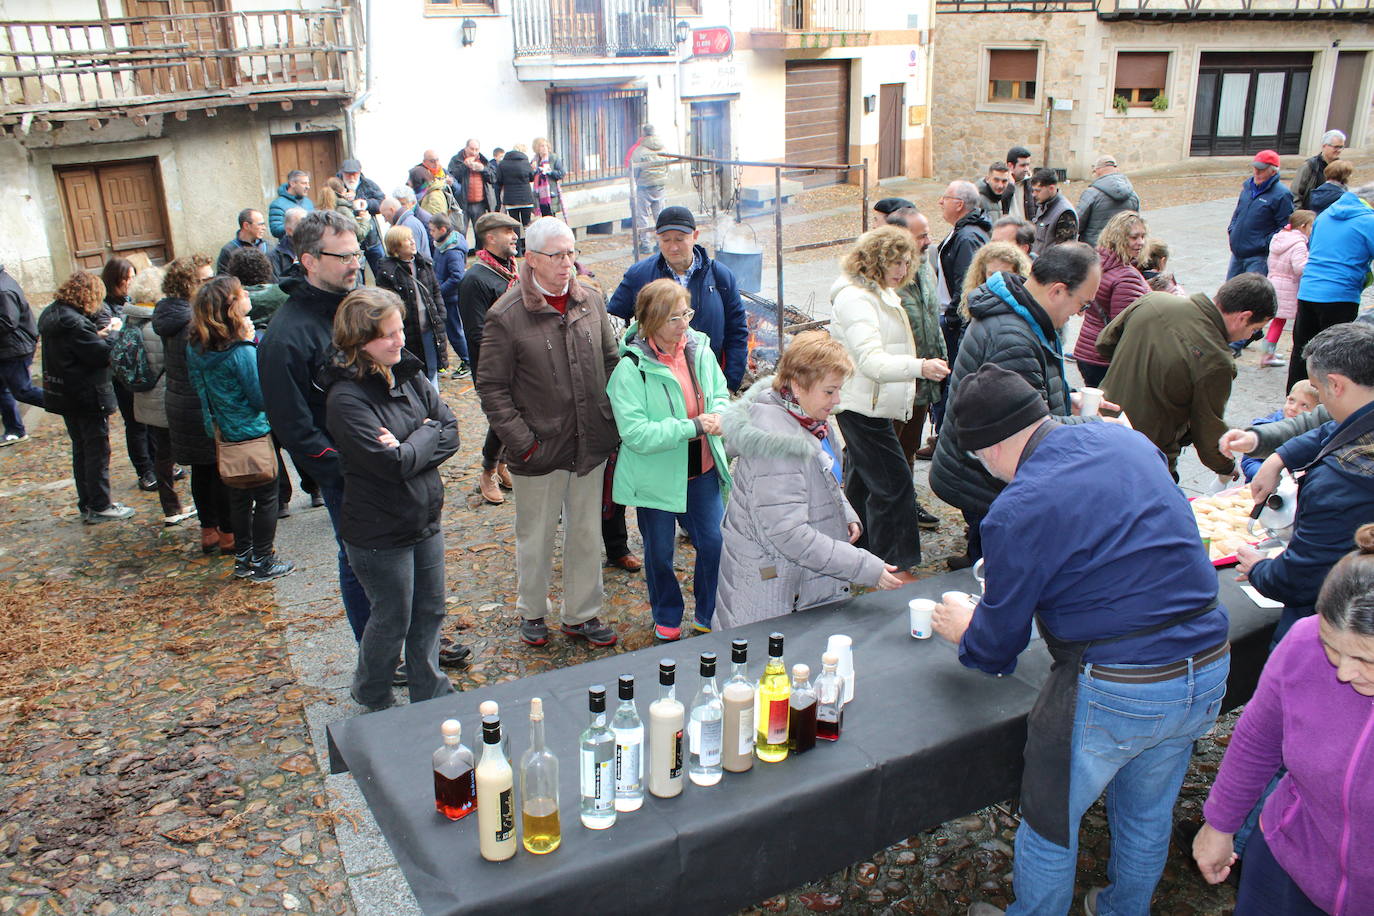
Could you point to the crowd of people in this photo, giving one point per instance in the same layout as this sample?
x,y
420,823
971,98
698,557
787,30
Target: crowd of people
x,y
796,487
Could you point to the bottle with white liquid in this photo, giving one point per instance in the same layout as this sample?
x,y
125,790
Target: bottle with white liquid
x,y
705,731
495,797
666,716
628,729
598,765
737,742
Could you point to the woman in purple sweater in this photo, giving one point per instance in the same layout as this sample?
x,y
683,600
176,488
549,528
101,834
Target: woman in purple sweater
x,y
1313,713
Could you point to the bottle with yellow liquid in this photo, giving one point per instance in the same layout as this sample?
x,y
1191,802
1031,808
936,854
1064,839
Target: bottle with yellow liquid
x,y
539,789
772,706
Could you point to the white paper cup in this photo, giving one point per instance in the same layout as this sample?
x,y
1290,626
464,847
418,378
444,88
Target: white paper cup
x,y
921,611
1092,400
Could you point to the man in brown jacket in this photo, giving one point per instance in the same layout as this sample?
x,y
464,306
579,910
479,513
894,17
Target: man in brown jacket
x,y
1172,368
547,352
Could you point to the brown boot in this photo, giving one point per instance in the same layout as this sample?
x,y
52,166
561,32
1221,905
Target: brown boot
x,y
927,451
209,541
487,486
226,543
503,476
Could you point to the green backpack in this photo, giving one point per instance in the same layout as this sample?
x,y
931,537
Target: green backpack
x,y
129,360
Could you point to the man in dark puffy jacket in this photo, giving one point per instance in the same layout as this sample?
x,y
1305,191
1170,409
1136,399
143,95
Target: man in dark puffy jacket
x,y
252,234
1109,194
18,340
1262,209
474,178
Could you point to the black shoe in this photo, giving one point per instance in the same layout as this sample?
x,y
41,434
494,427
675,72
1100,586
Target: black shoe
x,y
270,567
243,565
179,473
963,561
593,631
926,520
316,500
399,679
453,654
147,482
283,510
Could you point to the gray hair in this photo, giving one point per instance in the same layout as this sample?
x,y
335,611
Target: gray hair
x,y
296,173
545,230
1346,349
965,193
1331,136
309,235
900,217
1364,192
146,285
404,194
291,218
1025,232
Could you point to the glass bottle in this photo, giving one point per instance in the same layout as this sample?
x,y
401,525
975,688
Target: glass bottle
x,y
628,729
829,689
771,710
489,708
737,752
666,716
843,649
539,789
801,712
598,765
705,731
455,784
495,796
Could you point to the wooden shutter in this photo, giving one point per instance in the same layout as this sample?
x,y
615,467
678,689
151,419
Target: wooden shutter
x,y
1141,69
1013,65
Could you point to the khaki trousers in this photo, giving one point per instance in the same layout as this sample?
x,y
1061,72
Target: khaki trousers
x,y
539,503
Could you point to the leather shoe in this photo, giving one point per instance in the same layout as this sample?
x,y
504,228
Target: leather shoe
x,y
629,563
490,490
963,561
925,519
927,451
453,654
503,478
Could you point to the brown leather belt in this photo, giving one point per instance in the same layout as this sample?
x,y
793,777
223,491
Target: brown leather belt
x,y
1159,672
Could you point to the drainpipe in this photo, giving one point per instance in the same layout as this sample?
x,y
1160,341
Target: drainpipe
x,y
349,129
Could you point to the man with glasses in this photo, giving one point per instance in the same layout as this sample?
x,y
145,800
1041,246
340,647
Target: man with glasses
x,y
1171,364
547,353
1312,173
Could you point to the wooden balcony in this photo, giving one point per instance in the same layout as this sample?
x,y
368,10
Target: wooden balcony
x,y
593,28
136,67
1254,10
787,24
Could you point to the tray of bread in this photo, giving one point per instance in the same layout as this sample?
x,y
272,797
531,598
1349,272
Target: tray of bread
x,y
1223,521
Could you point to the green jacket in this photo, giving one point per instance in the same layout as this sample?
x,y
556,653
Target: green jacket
x,y
651,414
923,311
265,299
230,396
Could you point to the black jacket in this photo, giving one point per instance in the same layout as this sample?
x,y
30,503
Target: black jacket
x,y
18,330
513,176
956,253
185,419
76,363
394,274
478,292
292,351
996,205
233,245
283,258
393,497
460,174
368,190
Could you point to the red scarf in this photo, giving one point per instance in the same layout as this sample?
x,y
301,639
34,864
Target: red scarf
x,y
817,428
501,270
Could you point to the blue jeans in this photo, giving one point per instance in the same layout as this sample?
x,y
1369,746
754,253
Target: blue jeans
x,y
1259,264
16,384
453,327
1134,741
658,528
356,606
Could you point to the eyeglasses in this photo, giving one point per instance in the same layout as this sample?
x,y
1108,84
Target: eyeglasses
x,y
570,255
1084,305
1334,145
346,257
684,317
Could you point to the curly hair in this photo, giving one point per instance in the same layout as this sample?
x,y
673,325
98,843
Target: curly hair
x,y
877,250
978,269
251,267
83,290
180,280
147,286
1116,235
358,322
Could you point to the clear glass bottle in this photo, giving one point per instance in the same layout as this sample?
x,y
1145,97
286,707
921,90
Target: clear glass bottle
x,y
737,754
706,728
628,729
829,689
495,797
489,708
597,765
801,712
666,715
539,789
455,783
771,711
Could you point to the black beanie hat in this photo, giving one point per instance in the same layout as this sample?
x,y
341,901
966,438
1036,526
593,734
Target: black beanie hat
x,y
993,404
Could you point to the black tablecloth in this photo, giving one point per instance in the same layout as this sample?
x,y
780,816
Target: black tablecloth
x,y
925,740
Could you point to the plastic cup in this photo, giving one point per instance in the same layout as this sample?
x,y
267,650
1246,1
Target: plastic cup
x,y
1092,400
922,609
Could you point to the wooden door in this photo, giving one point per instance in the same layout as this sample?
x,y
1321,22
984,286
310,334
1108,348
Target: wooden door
x,y
197,70
817,117
1345,92
316,153
114,208
891,105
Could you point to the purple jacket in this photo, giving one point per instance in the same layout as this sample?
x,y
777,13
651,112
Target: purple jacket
x,y
1319,823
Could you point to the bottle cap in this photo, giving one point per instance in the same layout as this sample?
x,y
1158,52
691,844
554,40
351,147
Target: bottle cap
x,y
452,728
488,708
739,651
536,709
775,645
627,686
801,672
830,659
596,698
708,664
667,672
491,730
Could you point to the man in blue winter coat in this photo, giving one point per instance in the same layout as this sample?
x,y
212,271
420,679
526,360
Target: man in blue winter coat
x,y
294,192
1261,210
717,310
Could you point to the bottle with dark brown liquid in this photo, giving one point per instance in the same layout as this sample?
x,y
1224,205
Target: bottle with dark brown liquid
x,y
801,712
455,783
829,689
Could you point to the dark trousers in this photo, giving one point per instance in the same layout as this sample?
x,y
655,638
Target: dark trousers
x,y
254,517
1266,889
211,497
879,488
975,535
472,210
164,467
136,437
357,607
16,384
909,433
1092,375
453,328
953,330
90,435
521,214
1313,318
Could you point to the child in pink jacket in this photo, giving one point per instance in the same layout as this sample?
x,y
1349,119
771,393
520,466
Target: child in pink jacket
x,y
1287,258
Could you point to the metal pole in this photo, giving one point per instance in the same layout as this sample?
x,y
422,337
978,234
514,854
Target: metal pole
x,y
865,184
777,253
634,213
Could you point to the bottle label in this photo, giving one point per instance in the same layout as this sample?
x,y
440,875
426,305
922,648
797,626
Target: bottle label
x,y
777,721
627,768
746,730
708,746
507,805
675,770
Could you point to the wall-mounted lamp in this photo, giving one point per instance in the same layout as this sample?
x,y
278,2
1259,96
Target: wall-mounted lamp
x,y
682,31
469,32
870,104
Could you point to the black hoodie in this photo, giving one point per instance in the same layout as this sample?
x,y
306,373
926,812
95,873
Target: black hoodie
x,y
185,417
513,177
956,253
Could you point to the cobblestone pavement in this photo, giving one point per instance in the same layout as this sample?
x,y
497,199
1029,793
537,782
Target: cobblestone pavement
x,y
179,714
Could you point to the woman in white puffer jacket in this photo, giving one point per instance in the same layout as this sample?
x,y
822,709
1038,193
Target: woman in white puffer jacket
x,y
868,318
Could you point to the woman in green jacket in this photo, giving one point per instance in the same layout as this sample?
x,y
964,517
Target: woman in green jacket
x,y
666,393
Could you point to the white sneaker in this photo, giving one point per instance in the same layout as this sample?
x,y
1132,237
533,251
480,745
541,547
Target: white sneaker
x,y
12,439
171,521
113,512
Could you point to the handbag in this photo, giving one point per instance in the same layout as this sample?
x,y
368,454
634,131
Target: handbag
x,y
247,464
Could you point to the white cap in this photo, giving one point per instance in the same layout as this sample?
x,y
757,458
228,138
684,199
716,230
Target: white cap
x,y
451,728
489,708
536,708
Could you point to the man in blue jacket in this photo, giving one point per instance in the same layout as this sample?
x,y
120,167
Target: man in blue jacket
x,y
717,310
1261,210
294,192
1334,467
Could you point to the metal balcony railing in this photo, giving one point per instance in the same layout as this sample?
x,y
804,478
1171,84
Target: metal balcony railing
x,y
811,15
593,28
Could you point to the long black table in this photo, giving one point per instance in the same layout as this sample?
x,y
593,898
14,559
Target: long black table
x,y
925,740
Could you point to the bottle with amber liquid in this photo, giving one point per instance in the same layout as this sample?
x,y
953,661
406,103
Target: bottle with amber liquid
x,y
771,708
801,712
455,784
829,689
737,751
539,789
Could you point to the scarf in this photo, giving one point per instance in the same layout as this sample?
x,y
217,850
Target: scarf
x,y
497,267
817,428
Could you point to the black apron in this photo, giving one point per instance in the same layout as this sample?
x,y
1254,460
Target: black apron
x,y
1049,727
